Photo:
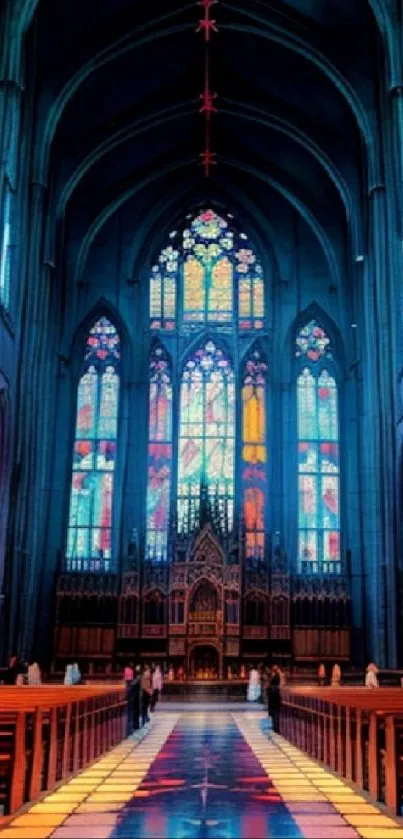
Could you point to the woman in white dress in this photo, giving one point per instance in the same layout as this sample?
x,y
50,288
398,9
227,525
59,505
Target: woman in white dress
x,y
254,688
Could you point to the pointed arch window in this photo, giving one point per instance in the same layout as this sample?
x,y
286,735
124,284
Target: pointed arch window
x,y
206,450
212,270
318,453
159,455
89,539
254,453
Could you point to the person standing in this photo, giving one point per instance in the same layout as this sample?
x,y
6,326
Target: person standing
x,y
254,688
68,675
274,700
321,675
128,677
371,676
336,676
77,679
12,671
146,690
136,693
157,684
128,674
34,674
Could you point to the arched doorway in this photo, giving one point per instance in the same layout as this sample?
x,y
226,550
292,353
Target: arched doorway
x,y
204,662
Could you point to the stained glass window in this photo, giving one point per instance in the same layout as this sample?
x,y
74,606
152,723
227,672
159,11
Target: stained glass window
x,y
312,342
215,270
163,289
89,541
159,455
254,453
206,437
5,250
318,455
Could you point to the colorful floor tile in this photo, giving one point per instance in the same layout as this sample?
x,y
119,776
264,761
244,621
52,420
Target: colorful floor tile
x,y
205,775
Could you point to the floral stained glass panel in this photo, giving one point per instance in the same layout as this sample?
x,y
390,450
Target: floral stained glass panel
x,y
312,342
254,453
159,456
89,539
206,436
213,264
319,471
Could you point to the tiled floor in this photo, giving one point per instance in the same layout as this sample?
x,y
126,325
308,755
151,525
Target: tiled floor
x,y
205,775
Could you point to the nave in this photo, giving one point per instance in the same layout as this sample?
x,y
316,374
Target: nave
x,y
204,775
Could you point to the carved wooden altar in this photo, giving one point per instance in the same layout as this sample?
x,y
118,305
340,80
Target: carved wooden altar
x,y
206,612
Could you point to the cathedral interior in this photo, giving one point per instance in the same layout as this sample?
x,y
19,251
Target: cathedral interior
x,y
201,417
201,342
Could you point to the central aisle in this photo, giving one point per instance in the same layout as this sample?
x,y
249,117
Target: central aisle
x,y
206,775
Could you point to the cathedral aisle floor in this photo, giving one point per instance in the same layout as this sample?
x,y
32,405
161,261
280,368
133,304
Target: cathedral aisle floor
x,y
204,775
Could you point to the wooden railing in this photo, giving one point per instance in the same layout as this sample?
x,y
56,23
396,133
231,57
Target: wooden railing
x,y
356,732
48,733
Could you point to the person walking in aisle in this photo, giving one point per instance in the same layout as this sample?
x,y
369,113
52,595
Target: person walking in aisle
x,y
146,690
136,691
274,703
128,677
157,685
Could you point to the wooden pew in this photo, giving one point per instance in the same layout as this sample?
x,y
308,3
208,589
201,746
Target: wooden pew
x,y
49,732
356,731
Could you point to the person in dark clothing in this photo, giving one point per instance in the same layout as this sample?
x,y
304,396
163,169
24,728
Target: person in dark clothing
x,y
13,670
136,698
274,699
146,691
129,681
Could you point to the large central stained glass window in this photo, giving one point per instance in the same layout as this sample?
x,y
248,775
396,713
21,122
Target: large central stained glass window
x,y
206,435
206,289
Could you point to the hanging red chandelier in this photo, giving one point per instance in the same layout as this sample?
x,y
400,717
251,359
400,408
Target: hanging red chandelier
x,y
208,26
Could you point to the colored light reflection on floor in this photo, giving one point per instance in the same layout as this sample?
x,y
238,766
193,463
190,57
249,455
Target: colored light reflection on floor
x,y
207,775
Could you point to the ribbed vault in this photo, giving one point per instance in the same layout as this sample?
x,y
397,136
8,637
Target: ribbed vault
x,y
117,113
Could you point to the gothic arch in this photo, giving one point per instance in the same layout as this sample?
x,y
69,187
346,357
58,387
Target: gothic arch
x,y
75,346
313,312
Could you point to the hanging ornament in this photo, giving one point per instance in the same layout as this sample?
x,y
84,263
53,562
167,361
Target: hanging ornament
x,y
207,25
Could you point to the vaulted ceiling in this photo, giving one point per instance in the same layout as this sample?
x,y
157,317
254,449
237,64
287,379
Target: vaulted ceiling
x,y
117,113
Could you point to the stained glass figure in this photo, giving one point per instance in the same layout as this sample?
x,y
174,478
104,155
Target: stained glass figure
x,y
89,540
318,467
159,455
216,265
5,250
206,437
312,342
254,454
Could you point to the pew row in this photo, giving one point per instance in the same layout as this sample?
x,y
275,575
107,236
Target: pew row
x,y
49,733
356,732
